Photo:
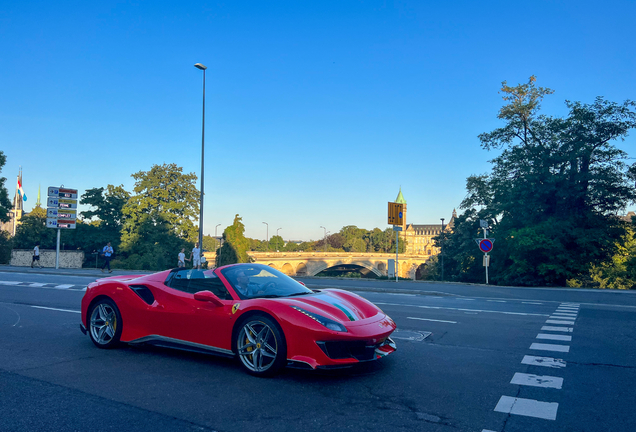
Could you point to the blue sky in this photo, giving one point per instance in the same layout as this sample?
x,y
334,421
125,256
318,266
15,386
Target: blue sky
x,y
316,112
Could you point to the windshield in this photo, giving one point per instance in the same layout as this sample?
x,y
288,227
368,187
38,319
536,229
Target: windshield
x,y
261,281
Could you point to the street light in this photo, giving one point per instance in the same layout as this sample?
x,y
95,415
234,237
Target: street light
x,y
203,68
267,235
442,248
325,238
215,237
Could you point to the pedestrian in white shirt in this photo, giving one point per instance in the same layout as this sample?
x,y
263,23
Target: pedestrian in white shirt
x,y
36,255
182,259
195,256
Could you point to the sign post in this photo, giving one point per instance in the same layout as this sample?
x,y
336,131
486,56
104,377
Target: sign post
x,y
396,218
485,245
61,213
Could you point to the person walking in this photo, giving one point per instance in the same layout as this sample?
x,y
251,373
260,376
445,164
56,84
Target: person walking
x,y
36,255
107,253
195,256
182,259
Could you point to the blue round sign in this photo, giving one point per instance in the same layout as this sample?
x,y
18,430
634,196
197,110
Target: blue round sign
x,y
485,245
400,214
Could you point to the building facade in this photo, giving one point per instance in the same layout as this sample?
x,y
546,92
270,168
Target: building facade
x,y
419,238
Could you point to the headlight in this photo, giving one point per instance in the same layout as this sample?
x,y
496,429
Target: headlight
x,y
329,323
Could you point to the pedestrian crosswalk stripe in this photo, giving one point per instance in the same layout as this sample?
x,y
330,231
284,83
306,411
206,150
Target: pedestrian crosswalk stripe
x,y
561,329
543,361
537,380
551,321
527,407
550,347
555,337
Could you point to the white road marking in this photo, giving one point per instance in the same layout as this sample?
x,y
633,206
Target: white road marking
x,y
561,329
565,314
460,309
497,301
550,321
550,347
36,284
400,294
64,286
543,361
426,319
554,337
537,380
9,283
531,303
55,309
462,298
568,308
558,317
527,407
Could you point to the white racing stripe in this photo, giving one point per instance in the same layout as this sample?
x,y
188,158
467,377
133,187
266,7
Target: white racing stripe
x,y
460,309
543,361
550,347
561,329
537,380
555,337
56,309
527,407
427,319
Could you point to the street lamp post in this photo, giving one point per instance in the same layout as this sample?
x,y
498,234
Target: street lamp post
x,y
203,68
325,237
442,248
267,235
215,237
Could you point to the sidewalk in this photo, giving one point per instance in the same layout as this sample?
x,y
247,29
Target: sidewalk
x,y
88,272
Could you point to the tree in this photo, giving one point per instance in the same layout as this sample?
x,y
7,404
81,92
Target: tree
x,y
5,203
235,245
276,243
157,248
163,193
554,190
108,206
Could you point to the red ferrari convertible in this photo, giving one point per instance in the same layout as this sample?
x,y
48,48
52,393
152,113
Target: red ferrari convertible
x,y
250,311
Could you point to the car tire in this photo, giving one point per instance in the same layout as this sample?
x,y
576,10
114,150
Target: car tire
x,y
260,346
104,324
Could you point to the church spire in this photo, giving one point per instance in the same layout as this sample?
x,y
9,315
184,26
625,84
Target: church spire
x,y
400,198
37,203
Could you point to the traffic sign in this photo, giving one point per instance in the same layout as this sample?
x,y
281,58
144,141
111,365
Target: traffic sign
x,y
51,222
67,203
66,223
396,214
485,245
67,214
52,202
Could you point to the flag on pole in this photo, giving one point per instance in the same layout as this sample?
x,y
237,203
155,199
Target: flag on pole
x,y
21,191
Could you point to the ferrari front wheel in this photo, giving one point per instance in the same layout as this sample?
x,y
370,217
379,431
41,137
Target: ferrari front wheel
x,y
260,346
104,324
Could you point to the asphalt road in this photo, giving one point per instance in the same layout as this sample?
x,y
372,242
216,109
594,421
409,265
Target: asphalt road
x,y
459,348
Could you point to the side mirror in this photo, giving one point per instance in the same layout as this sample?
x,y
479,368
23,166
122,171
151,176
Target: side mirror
x,y
208,296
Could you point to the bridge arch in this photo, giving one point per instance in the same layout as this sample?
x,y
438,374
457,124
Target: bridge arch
x,y
301,270
325,266
288,269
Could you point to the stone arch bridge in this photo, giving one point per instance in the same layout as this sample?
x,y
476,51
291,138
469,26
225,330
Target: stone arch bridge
x,y
312,263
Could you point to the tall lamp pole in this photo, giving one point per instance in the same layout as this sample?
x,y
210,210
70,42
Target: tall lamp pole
x,y
203,68
215,237
442,248
325,237
267,235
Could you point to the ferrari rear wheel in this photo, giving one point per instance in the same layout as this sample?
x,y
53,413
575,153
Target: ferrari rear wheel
x,y
104,324
261,347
